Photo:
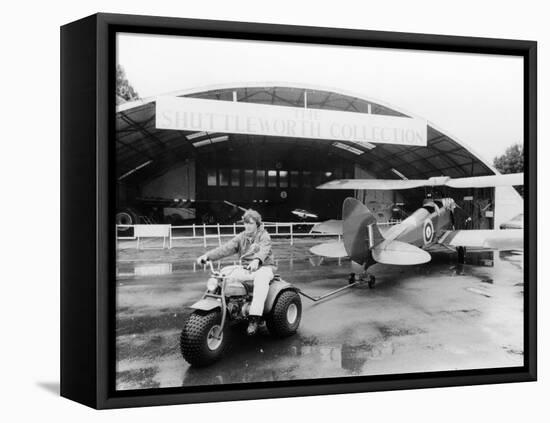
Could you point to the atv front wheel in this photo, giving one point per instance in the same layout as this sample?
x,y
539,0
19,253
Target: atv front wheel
x,y
203,340
284,318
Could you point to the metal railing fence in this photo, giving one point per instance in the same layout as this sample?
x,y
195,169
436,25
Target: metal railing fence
x,y
204,232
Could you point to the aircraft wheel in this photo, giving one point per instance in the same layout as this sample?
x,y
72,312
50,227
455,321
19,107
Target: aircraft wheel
x,y
371,281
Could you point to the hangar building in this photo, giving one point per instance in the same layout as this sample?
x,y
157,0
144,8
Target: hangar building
x,y
200,174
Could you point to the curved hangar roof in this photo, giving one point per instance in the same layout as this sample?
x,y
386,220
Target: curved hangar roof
x,y
144,151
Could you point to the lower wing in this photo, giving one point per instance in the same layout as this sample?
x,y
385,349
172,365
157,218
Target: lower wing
x,y
334,249
329,227
399,253
387,252
510,239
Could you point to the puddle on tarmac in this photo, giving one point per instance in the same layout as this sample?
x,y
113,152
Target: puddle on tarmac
x,y
297,357
298,263
289,359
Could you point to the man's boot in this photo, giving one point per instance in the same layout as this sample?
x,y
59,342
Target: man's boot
x,y
253,322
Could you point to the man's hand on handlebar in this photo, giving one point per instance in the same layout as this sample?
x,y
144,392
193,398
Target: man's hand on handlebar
x,y
202,259
254,264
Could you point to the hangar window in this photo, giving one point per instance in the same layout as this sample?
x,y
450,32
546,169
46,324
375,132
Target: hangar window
x,y
283,178
294,179
224,177
212,180
235,177
271,178
248,178
260,178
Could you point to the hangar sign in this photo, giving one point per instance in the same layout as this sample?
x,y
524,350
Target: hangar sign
x,y
192,114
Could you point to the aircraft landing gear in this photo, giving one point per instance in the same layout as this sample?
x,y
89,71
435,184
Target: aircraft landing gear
x,y
371,280
365,277
461,251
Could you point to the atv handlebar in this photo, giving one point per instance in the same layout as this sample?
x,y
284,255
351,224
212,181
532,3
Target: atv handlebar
x,y
209,263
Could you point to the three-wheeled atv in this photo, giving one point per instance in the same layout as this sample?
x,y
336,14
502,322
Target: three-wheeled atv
x,y
226,302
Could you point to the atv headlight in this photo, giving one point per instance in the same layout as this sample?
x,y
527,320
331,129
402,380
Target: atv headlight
x,y
212,284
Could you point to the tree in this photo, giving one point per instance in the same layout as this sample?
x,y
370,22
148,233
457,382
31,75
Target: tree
x,y
511,162
124,90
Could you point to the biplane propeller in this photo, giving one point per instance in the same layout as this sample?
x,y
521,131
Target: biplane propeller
x,y
405,243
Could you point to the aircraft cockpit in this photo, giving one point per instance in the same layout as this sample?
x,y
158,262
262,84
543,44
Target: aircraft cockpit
x,y
432,205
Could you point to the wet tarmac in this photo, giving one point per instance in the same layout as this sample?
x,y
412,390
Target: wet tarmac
x,y
437,316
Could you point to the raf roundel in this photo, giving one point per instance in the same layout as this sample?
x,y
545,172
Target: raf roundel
x,y
428,231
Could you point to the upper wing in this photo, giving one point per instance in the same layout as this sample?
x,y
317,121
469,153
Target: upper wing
x,y
510,239
486,181
395,184
384,184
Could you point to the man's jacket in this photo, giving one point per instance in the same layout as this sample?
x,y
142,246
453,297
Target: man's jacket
x,y
257,246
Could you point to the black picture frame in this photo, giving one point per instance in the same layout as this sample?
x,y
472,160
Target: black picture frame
x,y
87,250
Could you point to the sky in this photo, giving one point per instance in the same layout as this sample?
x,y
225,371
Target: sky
x,y
475,98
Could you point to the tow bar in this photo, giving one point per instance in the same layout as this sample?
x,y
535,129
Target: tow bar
x,y
352,282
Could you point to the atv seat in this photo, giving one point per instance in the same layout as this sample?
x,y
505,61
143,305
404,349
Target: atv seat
x,y
250,284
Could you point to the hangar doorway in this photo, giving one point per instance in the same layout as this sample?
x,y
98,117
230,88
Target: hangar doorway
x,y
275,183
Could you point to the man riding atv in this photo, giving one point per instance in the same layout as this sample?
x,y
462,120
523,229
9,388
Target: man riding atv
x,y
253,247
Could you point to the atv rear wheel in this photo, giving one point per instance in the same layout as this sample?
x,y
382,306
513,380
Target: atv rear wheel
x,y
201,341
285,316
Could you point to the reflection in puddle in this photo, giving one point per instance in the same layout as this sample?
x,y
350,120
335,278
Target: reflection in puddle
x,y
354,357
300,269
479,292
153,269
150,269
297,357
295,263
472,258
459,269
515,258
131,269
246,363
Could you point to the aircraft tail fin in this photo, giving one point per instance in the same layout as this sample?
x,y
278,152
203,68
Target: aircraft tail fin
x,y
360,230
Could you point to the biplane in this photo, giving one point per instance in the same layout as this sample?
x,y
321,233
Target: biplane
x,y
409,242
